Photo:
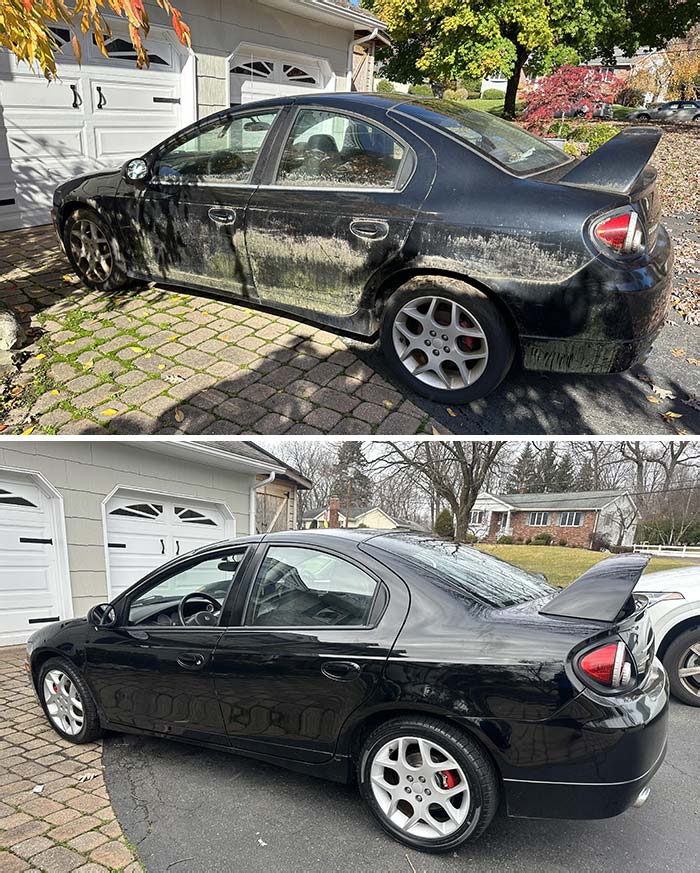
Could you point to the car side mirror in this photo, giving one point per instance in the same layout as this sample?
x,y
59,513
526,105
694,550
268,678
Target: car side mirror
x,y
102,615
136,170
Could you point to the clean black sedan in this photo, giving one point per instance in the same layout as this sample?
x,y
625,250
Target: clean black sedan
x,y
440,678
458,238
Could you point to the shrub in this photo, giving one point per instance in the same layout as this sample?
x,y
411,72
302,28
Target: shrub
x,y
471,538
542,539
563,543
461,94
444,524
505,541
571,149
421,90
600,543
384,87
493,94
450,94
594,135
629,96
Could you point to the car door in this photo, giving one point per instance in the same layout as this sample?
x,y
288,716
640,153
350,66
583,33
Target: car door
x,y
186,218
333,209
312,645
149,671
669,111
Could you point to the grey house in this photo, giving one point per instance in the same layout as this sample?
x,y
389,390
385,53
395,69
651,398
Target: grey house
x,y
80,520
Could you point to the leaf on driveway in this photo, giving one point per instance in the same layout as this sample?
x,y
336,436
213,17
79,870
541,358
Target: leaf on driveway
x,y
109,412
179,415
88,776
88,365
28,431
695,361
663,393
652,399
678,353
669,415
451,412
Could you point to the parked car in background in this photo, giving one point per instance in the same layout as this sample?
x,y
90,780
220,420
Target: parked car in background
x,y
674,608
454,236
441,679
672,110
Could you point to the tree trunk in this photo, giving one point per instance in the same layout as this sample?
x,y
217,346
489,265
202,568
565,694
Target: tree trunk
x,y
438,88
462,523
514,81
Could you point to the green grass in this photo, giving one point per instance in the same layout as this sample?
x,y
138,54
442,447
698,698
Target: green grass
x,y
562,565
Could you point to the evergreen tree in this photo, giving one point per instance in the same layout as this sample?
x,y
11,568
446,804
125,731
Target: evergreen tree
x,y
547,466
564,477
444,524
584,479
523,475
351,481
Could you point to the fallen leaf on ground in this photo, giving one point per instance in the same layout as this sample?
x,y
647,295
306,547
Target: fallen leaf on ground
x,y
136,348
40,357
663,393
669,415
3,427
54,391
451,412
652,399
89,364
678,353
87,777
179,415
161,366
109,412
28,431
695,361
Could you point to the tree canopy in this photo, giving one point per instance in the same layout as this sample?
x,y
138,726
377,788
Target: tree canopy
x,y
25,27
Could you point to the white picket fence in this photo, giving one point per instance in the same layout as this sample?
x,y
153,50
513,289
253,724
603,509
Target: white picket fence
x,y
675,551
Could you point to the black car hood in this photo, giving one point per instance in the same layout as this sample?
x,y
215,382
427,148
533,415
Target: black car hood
x,y
602,593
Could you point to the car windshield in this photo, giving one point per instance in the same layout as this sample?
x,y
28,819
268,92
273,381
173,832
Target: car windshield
x,y
516,149
481,576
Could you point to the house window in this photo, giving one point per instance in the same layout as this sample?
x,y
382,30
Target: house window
x,y
539,519
477,516
570,519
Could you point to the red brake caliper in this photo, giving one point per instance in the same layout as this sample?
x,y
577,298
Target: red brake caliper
x,y
448,778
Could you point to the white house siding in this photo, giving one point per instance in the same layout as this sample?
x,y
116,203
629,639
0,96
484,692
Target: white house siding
x,y
86,472
220,27
610,517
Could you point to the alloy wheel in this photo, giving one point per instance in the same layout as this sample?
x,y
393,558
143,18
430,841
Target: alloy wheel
x,y
420,787
689,669
63,702
440,343
91,250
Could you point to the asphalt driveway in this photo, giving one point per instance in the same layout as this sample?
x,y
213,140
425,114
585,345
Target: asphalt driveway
x,y
158,361
188,809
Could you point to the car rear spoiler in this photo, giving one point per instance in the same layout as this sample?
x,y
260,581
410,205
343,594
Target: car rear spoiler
x,y
602,592
618,163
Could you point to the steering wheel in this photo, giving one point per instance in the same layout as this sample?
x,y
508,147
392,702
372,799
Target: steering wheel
x,y
207,618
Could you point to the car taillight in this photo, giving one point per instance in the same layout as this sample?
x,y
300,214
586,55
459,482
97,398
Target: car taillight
x,y
621,233
610,666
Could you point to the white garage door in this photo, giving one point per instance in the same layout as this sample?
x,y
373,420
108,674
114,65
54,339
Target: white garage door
x,y
259,74
144,531
29,577
96,116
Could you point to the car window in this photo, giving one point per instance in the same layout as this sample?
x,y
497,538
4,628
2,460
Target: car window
x,y
671,106
210,576
330,150
506,143
468,570
225,151
298,587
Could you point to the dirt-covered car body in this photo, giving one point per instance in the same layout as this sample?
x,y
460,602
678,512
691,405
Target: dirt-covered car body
x,y
468,196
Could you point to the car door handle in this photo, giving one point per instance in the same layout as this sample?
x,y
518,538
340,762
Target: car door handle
x,y
221,215
195,661
341,670
364,228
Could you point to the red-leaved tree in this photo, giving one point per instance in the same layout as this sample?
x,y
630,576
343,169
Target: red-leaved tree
x,y
568,89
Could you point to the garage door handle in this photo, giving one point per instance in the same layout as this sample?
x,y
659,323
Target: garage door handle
x,y
102,102
341,670
192,662
222,216
366,229
77,99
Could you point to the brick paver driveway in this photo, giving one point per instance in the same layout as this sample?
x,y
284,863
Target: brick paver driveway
x,y
158,361
69,825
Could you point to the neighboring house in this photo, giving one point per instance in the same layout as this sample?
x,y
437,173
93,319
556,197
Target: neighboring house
x,y
578,517
105,111
373,517
278,497
81,521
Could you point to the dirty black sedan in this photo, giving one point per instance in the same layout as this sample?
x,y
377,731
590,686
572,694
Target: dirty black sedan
x,y
441,679
458,238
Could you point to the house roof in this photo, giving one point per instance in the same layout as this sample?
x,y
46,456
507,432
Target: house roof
x,y
247,449
358,511
565,500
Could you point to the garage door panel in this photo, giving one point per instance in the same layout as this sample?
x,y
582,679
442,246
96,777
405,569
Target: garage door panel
x,y
125,142
129,97
32,94
31,142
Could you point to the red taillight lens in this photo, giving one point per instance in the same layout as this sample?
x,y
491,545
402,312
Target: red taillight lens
x,y
620,233
610,665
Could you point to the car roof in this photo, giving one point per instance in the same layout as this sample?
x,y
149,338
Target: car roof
x,y
339,99
679,578
311,536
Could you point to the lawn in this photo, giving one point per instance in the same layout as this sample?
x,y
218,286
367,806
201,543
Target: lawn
x,y
562,565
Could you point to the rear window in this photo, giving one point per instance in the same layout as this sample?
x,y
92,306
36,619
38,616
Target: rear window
x,y
507,144
482,577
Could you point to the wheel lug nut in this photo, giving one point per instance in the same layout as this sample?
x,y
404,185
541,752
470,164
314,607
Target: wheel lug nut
x,y
419,798
410,778
421,778
428,343
436,351
433,333
445,337
427,791
446,349
408,790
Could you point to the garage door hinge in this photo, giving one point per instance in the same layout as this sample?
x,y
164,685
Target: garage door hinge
x,y
166,99
36,540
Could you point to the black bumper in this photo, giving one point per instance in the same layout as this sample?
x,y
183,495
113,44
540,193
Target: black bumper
x,y
603,766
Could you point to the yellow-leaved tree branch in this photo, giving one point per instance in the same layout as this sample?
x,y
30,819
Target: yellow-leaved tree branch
x,y
25,28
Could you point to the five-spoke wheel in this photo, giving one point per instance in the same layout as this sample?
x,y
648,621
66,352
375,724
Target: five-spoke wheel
x,y
63,703
682,662
91,250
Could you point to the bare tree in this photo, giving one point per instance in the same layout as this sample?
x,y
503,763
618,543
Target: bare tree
x,y
454,470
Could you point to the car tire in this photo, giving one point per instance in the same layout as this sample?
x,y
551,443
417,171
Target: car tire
x,y
475,310
77,724
643,116
676,658
99,262
468,763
